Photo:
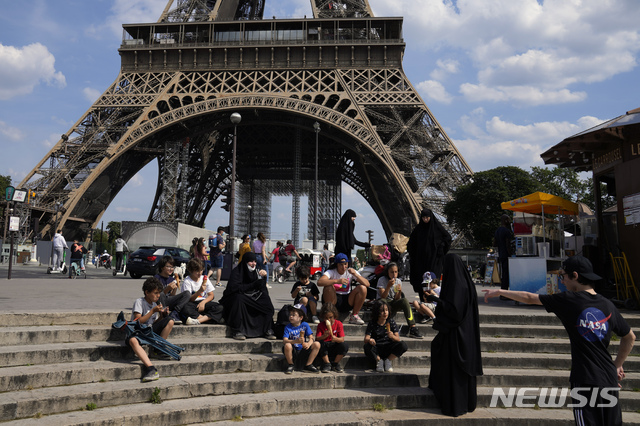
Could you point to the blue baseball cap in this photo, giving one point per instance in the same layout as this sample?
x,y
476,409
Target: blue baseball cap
x,y
341,258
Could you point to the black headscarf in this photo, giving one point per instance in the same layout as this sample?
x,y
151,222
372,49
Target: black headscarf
x,y
242,280
457,314
344,233
427,245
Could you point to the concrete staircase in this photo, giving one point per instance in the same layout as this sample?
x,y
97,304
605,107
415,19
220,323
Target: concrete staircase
x,y
73,368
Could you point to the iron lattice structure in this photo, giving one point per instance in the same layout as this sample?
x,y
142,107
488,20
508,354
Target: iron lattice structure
x,y
183,76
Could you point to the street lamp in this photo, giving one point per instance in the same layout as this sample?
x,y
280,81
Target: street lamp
x,y
235,120
316,128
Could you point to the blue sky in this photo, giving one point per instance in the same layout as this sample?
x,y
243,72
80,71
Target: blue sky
x,y
506,79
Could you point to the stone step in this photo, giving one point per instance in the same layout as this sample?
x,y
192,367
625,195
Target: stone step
x,y
51,400
38,335
420,417
113,350
506,369
28,403
409,417
189,409
529,316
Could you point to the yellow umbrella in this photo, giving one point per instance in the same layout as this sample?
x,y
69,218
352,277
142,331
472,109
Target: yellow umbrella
x,y
540,203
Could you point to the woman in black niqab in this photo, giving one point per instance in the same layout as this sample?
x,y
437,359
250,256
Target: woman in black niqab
x,y
248,310
427,246
345,240
455,351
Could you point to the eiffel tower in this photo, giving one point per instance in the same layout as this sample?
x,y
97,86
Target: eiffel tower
x,y
182,77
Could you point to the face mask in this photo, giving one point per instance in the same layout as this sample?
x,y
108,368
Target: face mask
x,y
251,268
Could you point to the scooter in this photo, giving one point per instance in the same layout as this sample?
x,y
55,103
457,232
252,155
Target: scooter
x,y
63,268
124,266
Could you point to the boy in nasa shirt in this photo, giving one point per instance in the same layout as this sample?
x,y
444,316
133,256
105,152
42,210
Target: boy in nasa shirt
x,y
589,319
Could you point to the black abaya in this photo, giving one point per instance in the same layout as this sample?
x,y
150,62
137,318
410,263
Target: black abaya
x,y
427,246
345,240
247,306
455,351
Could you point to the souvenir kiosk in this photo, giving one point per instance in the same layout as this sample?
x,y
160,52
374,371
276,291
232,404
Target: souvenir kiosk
x,y
539,242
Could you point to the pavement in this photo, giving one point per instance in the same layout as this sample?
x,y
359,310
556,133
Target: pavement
x,y
32,290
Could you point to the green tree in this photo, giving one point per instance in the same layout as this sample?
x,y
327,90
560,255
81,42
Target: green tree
x,y
589,196
475,208
114,229
4,182
560,181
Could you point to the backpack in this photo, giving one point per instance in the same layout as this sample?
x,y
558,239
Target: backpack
x,y
282,251
281,321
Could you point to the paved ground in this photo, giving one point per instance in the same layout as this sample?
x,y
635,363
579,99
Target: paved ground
x,y
31,289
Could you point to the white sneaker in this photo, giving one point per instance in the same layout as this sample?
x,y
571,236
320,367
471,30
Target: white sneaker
x,y
355,319
380,366
388,367
191,321
315,320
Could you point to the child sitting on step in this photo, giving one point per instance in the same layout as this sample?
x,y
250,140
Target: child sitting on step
x,y
382,342
430,287
299,340
390,288
306,292
330,334
200,308
147,311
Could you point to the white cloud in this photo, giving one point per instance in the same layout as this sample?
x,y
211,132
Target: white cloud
x,y
495,142
128,12
445,68
13,133
91,94
526,52
51,141
136,180
526,95
21,69
16,175
121,209
435,91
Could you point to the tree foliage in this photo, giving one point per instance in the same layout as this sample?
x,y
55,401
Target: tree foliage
x,y
114,229
563,182
475,209
4,182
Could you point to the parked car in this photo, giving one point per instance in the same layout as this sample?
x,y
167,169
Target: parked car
x,y
144,261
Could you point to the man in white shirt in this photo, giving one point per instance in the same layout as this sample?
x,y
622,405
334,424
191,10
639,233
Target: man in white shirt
x,y
340,289
59,244
121,245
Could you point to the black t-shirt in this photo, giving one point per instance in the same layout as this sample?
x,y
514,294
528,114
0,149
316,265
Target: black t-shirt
x,y
77,250
503,238
311,286
589,320
379,332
